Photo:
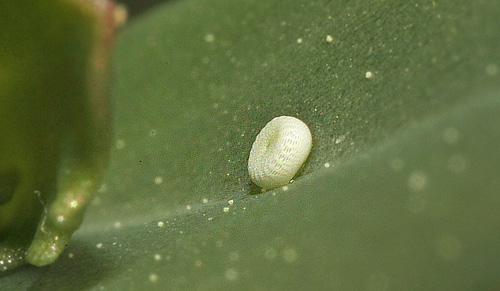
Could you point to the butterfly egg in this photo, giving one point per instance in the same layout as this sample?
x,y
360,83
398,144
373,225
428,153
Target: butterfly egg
x,y
279,151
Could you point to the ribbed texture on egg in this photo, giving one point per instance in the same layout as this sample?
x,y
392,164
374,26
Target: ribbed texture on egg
x,y
279,151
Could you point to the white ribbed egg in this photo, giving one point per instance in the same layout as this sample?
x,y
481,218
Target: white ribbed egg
x,y
279,151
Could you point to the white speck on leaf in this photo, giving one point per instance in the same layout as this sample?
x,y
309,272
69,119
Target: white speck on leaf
x,y
492,70
120,144
417,181
153,277
289,255
231,274
209,38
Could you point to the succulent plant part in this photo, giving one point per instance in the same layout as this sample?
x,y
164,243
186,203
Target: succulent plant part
x,y
54,122
279,151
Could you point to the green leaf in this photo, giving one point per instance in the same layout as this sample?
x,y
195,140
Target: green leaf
x,y
411,195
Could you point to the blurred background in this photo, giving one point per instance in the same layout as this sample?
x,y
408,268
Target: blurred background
x,y
136,7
